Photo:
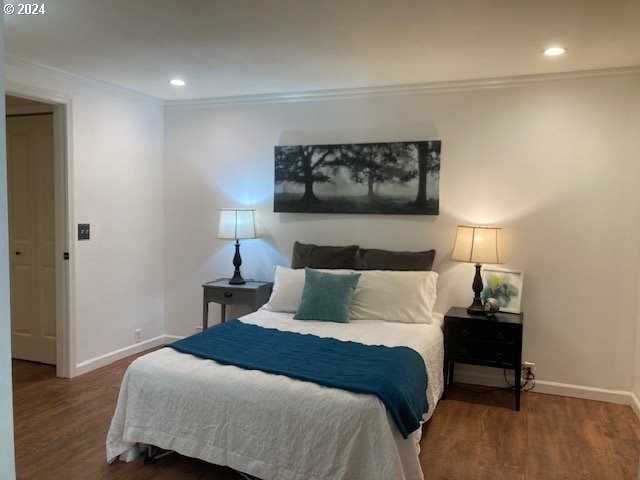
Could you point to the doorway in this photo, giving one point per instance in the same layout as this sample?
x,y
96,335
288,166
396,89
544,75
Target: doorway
x,y
38,237
31,235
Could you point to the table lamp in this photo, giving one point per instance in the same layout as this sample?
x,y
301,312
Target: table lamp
x,y
476,244
237,224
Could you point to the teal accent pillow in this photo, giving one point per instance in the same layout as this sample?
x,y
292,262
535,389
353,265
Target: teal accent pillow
x,y
326,296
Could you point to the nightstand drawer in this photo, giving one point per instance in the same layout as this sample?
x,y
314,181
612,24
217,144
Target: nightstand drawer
x,y
231,296
252,293
498,332
494,352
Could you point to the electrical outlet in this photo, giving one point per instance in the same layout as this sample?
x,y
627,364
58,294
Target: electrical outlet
x,y
138,334
529,369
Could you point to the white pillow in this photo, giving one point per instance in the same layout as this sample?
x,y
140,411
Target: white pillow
x,y
287,288
394,296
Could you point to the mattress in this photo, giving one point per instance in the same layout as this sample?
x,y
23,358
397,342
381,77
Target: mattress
x,y
272,426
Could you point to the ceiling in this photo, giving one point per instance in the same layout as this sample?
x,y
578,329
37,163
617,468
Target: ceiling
x,y
228,48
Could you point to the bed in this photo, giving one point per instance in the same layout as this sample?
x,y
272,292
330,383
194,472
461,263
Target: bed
x,y
276,427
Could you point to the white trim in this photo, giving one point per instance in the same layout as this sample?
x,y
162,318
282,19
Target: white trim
x,y
342,93
87,81
473,378
635,404
173,338
582,391
108,358
63,190
433,87
552,388
65,286
17,89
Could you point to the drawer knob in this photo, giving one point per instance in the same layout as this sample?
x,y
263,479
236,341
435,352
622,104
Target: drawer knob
x,y
228,294
500,336
499,356
464,332
463,352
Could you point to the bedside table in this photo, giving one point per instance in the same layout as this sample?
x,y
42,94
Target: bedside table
x,y
253,293
481,340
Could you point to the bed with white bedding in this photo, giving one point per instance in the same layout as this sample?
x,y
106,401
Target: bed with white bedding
x,y
273,426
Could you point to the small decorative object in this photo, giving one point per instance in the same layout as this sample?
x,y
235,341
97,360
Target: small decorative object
x,y
395,178
505,286
491,307
236,224
476,244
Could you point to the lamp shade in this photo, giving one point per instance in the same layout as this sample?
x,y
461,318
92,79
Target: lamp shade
x,y
477,245
237,223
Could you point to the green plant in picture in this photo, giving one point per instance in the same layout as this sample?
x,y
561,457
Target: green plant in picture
x,y
499,287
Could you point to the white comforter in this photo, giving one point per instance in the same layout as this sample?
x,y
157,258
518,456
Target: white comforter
x,y
272,426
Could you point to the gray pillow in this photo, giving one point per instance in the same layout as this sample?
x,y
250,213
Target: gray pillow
x,y
320,256
375,259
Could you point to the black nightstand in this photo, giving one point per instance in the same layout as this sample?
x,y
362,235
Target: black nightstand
x,y
252,293
481,340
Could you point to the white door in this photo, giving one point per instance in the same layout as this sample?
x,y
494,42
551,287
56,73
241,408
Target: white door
x,y
32,237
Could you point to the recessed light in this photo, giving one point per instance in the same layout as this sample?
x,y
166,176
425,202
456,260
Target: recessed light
x,y
177,82
554,51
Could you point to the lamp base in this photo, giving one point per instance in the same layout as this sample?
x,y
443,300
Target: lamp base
x,y
237,279
475,309
237,261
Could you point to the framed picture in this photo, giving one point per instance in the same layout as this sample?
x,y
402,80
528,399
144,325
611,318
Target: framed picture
x,y
503,285
399,178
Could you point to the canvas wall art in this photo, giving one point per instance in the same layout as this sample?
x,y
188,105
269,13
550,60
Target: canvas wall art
x,y
503,285
382,178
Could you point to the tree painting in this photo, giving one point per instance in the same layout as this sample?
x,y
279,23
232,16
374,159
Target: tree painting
x,y
396,178
305,165
380,163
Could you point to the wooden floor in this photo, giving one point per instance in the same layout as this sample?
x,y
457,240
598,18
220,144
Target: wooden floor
x,y
61,426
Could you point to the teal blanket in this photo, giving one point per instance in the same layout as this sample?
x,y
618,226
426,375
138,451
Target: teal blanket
x,y
396,375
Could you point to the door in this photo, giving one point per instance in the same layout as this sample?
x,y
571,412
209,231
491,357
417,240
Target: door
x,y
30,176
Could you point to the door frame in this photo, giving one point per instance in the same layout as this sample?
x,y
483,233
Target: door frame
x,y
63,191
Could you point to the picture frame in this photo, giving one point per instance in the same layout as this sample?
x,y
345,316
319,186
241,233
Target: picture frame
x,y
503,285
399,178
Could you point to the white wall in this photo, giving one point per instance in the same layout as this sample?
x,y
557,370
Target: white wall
x,y
7,461
116,184
554,162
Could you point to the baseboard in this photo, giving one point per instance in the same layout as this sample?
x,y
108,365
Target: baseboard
x,y
173,338
635,405
552,388
106,359
484,377
581,391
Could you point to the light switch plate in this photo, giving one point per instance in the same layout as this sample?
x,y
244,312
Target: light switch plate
x,y
83,231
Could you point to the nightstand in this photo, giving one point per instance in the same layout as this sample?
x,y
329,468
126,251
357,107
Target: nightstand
x,y
253,293
482,340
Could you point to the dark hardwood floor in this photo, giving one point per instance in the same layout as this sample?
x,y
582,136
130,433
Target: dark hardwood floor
x,y
61,426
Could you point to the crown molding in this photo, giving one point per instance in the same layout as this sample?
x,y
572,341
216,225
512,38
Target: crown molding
x,y
407,89
87,81
339,93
